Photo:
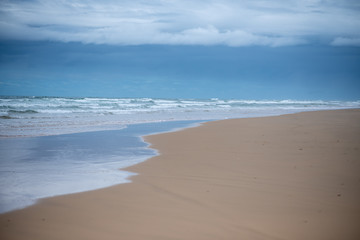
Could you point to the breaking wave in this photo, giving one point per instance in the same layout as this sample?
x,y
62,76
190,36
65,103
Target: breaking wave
x,y
33,116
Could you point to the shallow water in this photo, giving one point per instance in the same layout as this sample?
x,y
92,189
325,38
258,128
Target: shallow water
x,y
39,167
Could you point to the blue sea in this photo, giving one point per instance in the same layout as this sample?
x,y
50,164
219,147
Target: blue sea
x,y
52,146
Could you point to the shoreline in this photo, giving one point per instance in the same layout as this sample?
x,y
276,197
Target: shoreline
x,y
283,177
31,170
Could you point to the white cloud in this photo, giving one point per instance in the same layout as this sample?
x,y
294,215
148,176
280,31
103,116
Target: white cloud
x,y
341,41
206,22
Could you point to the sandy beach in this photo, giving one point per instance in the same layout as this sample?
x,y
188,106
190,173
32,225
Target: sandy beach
x,y
294,176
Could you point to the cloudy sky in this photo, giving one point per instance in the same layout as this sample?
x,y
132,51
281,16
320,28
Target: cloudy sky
x,y
173,48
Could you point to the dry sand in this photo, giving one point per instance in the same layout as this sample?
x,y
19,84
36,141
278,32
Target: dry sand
x,y
288,177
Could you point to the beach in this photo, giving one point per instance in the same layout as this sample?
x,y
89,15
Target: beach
x,y
294,176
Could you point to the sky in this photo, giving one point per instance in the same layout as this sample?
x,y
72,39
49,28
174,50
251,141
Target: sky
x,y
244,49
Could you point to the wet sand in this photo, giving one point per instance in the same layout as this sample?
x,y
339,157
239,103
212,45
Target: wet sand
x,y
288,177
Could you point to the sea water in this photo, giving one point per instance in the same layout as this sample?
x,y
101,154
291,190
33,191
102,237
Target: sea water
x,y
37,167
52,146
37,116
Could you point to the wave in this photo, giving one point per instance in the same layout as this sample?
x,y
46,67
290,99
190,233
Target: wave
x,y
29,111
52,105
6,117
56,115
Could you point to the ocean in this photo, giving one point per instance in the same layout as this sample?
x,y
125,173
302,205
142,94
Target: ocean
x,y
41,116
52,146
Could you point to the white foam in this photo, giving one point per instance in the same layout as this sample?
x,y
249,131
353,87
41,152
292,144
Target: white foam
x,y
79,114
35,168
